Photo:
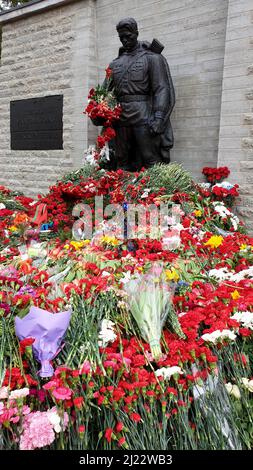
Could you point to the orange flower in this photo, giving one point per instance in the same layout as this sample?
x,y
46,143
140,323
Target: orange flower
x,y
25,266
20,218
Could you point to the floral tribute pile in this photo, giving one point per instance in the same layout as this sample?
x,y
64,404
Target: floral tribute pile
x,y
157,351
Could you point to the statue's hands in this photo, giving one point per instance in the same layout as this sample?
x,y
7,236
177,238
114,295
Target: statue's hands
x,y
156,125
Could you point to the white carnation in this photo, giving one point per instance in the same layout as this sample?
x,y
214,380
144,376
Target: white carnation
x,y
54,418
225,184
205,185
244,274
167,372
218,335
245,318
221,274
21,393
107,333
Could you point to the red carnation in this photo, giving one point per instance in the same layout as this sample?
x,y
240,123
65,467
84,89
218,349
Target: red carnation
x,y
119,426
78,401
108,72
25,343
135,417
245,332
91,93
108,434
121,441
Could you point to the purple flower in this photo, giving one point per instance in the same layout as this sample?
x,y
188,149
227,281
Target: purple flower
x,y
27,290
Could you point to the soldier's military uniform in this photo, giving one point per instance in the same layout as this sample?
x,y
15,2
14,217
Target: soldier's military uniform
x,y
143,86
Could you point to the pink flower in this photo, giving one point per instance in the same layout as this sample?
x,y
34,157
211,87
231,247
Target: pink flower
x,y
26,410
51,384
62,393
8,414
15,419
38,431
127,360
85,368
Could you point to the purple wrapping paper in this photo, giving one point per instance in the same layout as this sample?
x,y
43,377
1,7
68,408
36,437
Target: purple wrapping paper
x,y
48,330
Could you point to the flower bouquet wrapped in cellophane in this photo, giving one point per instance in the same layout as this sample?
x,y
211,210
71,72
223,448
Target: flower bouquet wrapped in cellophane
x,y
48,330
150,301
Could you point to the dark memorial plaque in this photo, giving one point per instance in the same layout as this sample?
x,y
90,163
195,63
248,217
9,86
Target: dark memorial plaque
x,y
36,123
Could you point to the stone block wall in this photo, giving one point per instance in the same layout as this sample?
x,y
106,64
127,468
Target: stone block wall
x,y
47,54
193,33
236,125
63,47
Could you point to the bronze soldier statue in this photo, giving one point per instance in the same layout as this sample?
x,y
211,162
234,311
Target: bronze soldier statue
x,y
143,86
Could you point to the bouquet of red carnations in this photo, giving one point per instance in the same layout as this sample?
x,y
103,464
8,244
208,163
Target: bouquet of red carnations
x,y
103,110
225,191
214,175
102,107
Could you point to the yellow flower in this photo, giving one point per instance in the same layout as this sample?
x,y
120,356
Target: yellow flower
x,y
79,244
86,242
171,275
13,228
107,240
66,247
243,247
235,295
214,241
197,213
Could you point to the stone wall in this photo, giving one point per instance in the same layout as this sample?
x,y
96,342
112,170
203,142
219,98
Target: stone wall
x,y
236,126
193,33
47,54
65,49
